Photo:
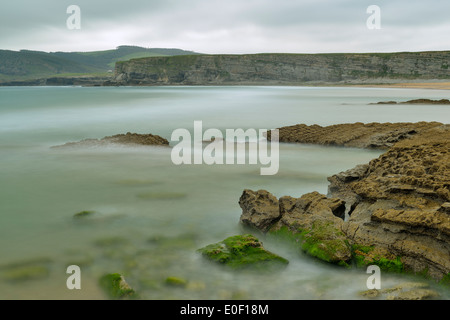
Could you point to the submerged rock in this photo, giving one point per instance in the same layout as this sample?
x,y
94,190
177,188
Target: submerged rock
x,y
417,101
242,251
22,271
83,214
176,282
116,287
404,291
130,139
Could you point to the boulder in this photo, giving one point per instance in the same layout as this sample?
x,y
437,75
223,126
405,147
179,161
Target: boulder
x,y
260,209
313,220
242,251
116,287
129,139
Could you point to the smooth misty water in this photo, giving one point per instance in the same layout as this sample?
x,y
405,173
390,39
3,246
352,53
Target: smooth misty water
x,y
153,215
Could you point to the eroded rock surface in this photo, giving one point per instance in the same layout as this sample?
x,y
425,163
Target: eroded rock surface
x,y
313,219
400,201
120,139
360,135
397,207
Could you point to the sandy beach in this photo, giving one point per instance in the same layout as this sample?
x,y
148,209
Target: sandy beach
x,y
418,85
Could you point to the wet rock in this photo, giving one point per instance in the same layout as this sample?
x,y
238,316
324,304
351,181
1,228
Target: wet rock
x,y
128,139
313,219
404,291
400,204
115,286
371,135
317,220
242,251
27,270
417,101
83,214
260,209
175,282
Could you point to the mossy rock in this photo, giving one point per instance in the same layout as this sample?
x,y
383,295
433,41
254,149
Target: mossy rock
x,y
176,282
115,286
328,244
370,255
26,273
83,214
242,251
321,240
445,280
34,269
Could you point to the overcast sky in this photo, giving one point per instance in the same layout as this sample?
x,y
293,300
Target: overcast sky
x,y
227,26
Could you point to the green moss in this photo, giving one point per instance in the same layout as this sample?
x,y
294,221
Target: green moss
x,y
284,234
33,269
175,282
83,214
242,251
445,280
26,273
325,242
115,287
365,256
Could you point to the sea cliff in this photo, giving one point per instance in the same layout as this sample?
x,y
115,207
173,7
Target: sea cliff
x,y
284,69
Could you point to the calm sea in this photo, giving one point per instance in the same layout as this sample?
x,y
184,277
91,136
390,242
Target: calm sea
x,y
151,215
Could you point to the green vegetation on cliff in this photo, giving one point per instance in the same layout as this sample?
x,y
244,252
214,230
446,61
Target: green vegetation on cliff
x,y
281,68
27,64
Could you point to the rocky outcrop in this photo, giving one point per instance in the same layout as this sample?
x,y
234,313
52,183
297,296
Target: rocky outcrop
x,y
312,220
260,209
399,203
403,291
358,135
120,139
397,207
115,286
242,251
274,69
416,101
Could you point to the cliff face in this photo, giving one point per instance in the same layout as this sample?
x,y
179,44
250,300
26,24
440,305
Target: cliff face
x,y
283,69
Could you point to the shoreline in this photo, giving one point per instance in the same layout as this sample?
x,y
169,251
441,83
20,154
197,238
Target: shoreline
x,y
411,85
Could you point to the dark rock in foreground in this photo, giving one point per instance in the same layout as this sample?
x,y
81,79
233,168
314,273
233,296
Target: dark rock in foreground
x,y
129,139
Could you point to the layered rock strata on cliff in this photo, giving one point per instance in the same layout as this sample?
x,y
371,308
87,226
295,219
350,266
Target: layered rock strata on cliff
x,y
272,69
397,207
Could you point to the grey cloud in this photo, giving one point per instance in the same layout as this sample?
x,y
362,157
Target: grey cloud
x,y
231,26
